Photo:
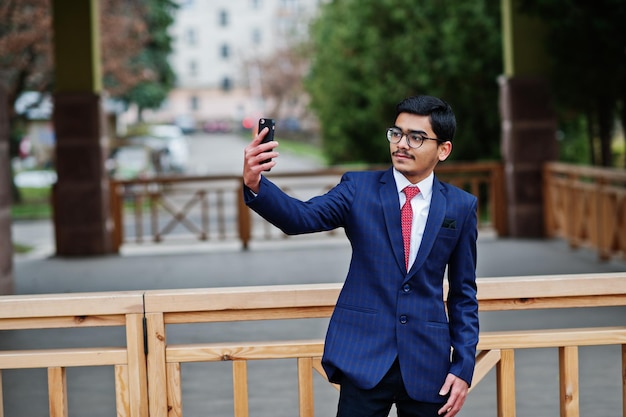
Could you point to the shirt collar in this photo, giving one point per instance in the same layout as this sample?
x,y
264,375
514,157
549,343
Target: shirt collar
x,y
425,186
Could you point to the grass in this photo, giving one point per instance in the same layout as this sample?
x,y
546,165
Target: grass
x,y
34,204
300,148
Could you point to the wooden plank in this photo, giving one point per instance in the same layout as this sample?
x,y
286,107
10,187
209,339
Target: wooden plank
x,y
272,299
75,304
157,374
21,323
213,352
549,286
568,381
174,391
552,302
552,337
305,387
240,388
505,384
249,315
317,365
122,402
486,360
40,358
137,374
57,392
241,298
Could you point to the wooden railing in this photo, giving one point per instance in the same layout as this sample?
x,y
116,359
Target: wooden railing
x,y
55,311
587,207
156,390
211,207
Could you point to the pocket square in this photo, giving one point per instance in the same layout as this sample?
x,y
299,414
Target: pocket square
x,y
449,224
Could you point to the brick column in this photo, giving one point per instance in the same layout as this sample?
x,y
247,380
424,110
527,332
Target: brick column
x,y
6,243
81,198
528,140
81,195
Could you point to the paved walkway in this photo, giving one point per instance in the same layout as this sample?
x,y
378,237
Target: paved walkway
x,y
273,392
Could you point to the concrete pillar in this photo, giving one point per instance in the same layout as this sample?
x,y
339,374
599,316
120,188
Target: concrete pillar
x,y
6,242
81,196
528,119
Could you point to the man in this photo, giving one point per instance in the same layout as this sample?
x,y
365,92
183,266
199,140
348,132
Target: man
x,y
391,338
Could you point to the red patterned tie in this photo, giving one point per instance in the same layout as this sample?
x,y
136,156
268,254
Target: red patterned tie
x,y
406,216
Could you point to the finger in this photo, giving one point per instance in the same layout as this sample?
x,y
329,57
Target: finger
x,y
259,136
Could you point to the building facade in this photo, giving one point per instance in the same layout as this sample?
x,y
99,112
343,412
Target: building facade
x,y
216,48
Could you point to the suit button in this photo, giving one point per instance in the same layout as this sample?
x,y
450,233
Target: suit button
x,y
406,288
403,319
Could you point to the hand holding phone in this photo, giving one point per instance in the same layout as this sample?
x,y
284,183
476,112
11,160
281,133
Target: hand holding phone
x,y
263,123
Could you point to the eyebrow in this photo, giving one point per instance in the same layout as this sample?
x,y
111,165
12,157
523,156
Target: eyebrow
x,y
421,132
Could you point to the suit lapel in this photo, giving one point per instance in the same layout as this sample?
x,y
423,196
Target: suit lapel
x,y
436,215
391,210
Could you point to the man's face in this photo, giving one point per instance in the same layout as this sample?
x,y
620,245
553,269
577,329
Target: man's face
x,y
417,163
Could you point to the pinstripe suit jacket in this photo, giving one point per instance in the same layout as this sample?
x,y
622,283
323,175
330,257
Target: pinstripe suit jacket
x,y
383,312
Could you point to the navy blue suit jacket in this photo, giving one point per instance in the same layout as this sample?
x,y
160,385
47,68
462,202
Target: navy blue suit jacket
x,y
383,312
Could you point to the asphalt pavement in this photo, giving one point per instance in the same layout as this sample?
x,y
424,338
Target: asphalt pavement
x,y
273,392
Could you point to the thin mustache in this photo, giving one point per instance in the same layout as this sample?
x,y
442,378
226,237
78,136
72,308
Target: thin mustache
x,y
399,152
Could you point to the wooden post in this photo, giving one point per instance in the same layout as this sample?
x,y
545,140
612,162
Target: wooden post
x,y
568,373
305,387
505,376
57,391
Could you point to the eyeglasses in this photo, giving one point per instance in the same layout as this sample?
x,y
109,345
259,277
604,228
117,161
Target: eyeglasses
x,y
414,139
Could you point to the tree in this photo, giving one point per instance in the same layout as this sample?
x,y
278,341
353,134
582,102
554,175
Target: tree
x,y
588,65
370,55
26,53
26,49
153,59
280,78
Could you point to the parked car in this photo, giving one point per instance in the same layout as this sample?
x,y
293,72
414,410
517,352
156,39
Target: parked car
x,y
168,146
186,123
217,126
130,162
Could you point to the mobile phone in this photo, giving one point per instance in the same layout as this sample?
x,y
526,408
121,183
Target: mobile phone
x,y
263,123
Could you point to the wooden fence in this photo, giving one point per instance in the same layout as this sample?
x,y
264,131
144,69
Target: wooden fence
x,y
55,311
211,207
587,207
151,385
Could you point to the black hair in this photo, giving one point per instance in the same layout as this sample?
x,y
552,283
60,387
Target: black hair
x,y
442,117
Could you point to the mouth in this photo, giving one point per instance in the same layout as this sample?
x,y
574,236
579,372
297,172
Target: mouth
x,y
402,155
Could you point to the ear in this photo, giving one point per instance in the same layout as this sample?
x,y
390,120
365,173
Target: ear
x,y
444,150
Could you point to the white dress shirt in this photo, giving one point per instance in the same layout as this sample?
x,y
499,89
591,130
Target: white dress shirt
x,y
420,205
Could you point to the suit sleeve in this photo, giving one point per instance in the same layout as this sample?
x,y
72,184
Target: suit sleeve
x,y
294,216
462,299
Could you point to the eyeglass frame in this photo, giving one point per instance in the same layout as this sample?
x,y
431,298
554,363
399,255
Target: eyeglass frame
x,y
422,137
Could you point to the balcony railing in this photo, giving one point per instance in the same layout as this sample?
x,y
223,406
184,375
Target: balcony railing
x,y
148,377
587,207
210,208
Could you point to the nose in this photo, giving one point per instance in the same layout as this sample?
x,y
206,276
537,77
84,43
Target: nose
x,y
404,141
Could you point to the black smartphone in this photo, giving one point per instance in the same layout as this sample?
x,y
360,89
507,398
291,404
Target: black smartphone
x,y
263,123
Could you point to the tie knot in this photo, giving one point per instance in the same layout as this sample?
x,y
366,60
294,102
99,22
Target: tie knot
x,y
410,192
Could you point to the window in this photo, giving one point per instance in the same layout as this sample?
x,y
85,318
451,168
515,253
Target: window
x,y
193,68
194,103
256,36
256,4
225,51
223,17
192,38
226,84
